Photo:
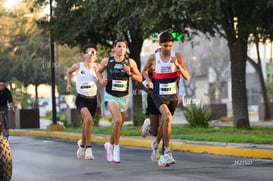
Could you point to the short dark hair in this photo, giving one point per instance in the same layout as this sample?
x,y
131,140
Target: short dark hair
x,y
120,40
89,45
2,80
165,37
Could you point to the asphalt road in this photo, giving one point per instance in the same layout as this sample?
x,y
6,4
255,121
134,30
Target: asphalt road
x,y
41,159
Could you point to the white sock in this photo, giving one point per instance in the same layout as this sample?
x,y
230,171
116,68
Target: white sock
x,y
166,149
155,145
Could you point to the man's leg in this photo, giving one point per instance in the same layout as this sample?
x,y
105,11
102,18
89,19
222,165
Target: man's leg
x,y
87,126
117,122
86,132
166,121
6,124
117,116
155,131
154,121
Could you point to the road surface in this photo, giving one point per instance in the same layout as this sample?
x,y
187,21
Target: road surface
x,y
41,159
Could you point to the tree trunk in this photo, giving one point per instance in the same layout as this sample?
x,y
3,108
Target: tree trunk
x,y
267,115
258,68
135,50
36,104
238,55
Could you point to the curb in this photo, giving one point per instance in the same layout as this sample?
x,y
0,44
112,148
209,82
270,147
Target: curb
x,y
228,149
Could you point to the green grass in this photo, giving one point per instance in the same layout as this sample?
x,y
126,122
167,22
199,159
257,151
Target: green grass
x,y
222,134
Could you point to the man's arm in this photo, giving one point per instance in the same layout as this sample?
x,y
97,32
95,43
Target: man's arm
x,y
11,106
149,66
180,64
75,67
100,69
133,71
10,100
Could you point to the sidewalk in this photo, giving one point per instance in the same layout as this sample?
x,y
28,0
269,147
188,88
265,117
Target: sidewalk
x,y
219,148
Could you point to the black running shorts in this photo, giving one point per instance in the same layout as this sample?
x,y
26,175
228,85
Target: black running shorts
x,y
90,103
152,102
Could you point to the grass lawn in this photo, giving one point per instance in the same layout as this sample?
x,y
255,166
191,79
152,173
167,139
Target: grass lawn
x,y
221,134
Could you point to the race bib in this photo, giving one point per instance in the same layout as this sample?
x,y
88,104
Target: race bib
x,y
88,88
119,85
167,89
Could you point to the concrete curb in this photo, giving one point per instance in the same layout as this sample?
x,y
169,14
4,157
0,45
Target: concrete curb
x,y
240,150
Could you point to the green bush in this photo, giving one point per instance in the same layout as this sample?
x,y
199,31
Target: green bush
x,y
139,117
97,119
197,115
48,115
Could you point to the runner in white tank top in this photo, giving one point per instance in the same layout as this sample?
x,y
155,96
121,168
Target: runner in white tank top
x,y
166,68
86,81
86,100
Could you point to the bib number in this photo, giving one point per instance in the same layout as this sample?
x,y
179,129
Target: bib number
x,y
167,89
119,85
88,88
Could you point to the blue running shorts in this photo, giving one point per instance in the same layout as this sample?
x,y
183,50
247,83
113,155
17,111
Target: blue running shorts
x,y
121,101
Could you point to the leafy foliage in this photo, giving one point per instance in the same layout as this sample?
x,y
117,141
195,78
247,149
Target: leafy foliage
x,y
79,22
197,115
20,97
26,51
234,20
76,22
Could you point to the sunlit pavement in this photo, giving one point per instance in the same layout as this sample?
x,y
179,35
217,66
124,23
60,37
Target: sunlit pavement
x,y
49,159
232,149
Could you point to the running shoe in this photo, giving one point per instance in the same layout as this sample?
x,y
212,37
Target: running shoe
x,y
155,153
116,154
108,152
169,158
162,161
80,151
144,130
89,154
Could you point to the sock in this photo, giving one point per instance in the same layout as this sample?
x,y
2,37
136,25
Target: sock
x,y
166,149
155,145
89,146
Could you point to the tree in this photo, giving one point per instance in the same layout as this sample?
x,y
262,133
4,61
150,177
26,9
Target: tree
x,y
235,20
102,21
26,49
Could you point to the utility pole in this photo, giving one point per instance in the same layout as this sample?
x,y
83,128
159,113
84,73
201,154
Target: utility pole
x,y
52,61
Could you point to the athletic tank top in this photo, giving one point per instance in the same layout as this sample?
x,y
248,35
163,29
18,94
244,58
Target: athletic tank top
x,y
118,79
166,78
86,81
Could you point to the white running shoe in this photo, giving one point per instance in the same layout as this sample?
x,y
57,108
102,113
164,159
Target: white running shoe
x,y
108,152
155,153
116,154
80,151
162,161
144,130
89,154
169,158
